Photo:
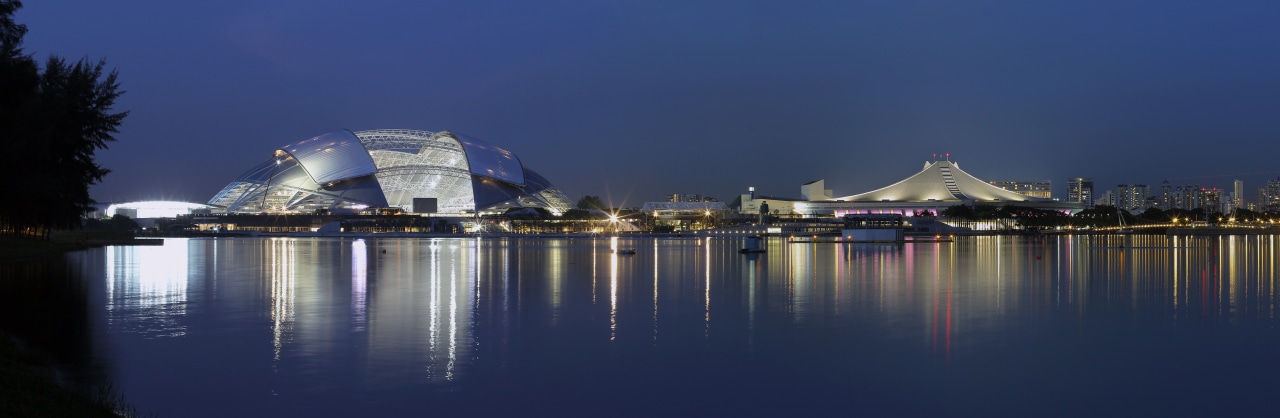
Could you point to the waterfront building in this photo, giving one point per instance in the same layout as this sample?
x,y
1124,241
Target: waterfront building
x,y
146,212
779,206
684,216
1080,190
1036,188
939,185
394,169
690,198
815,190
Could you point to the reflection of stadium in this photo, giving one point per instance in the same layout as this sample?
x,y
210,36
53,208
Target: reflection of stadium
x,y
941,184
348,172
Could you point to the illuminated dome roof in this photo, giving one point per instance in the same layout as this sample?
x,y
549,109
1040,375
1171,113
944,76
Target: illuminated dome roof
x,y
344,171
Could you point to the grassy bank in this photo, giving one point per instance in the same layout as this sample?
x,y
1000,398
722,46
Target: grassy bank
x,y
14,248
27,384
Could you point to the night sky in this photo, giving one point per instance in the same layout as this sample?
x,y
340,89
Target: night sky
x,y
635,100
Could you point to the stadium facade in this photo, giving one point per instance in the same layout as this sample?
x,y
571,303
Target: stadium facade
x,y
352,172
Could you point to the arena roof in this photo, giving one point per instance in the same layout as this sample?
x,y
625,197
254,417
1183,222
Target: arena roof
x,y
351,171
940,181
938,185
154,208
331,157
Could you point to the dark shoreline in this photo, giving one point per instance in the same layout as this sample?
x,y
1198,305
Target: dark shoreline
x,y
29,383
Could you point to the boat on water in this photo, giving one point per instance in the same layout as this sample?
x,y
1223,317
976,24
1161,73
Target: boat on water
x,y
628,251
753,246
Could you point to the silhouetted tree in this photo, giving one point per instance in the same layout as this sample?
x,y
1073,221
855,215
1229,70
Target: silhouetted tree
x,y
959,212
575,214
1100,215
123,223
1033,218
1154,215
52,122
591,202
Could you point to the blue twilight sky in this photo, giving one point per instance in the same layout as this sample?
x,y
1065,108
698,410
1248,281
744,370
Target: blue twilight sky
x,y
635,100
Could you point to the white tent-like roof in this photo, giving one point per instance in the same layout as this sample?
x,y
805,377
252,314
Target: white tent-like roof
x,y
941,181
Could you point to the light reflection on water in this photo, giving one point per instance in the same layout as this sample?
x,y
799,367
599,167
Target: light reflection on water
x,y
388,326
148,283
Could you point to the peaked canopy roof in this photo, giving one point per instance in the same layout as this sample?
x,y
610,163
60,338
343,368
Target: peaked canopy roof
x,y
942,181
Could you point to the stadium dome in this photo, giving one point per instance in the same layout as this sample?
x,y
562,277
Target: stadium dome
x,y
345,172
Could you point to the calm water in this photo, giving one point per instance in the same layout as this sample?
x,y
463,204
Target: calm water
x,y
984,326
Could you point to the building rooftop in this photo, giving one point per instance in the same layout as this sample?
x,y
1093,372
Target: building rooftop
x,y
942,181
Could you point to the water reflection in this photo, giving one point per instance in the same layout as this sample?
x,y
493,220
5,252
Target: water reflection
x,y
998,280
421,302
359,285
613,288
282,287
655,290
147,288
469,315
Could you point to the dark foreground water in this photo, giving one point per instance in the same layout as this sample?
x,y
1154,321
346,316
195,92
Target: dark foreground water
x,y
984,326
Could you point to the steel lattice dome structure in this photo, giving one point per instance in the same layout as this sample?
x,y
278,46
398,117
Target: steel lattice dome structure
x,y
345,171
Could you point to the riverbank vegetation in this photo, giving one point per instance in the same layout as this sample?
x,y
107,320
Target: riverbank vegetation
x,y
53,119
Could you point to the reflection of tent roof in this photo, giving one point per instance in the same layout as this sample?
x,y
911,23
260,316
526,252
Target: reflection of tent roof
x,y
940,181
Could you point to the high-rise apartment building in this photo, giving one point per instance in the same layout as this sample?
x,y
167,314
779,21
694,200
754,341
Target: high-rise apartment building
x,y
1269,197
1211,199
1166,195
1237,193
1192,196
1133,197
1036,188
1106,198
1080,189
